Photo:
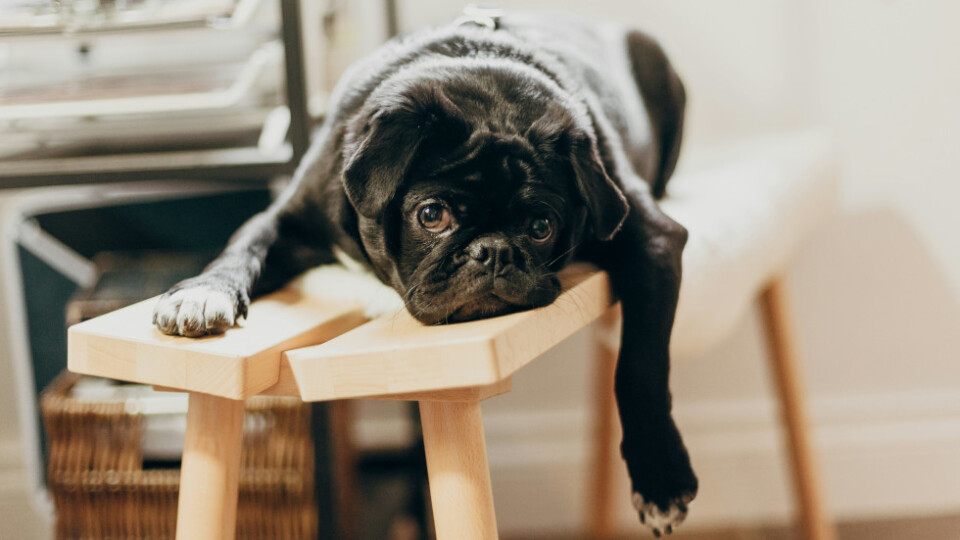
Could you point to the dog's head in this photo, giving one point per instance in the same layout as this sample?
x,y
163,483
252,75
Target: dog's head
x,y
472,187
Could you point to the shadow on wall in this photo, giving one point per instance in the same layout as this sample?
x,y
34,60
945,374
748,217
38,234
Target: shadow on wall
x,y
875,316
878,334
876,313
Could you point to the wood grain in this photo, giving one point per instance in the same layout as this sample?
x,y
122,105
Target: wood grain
x,y
238,364
814,520
456,454
392,356
469,393
600,520
399,355
210,472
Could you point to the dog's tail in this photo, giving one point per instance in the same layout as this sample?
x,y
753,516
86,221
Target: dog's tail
x,y
665,100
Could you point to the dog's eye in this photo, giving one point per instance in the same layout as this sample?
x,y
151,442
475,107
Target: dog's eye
x,y
541,229
434,217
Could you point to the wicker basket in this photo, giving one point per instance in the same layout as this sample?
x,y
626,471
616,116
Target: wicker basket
x,y
101,490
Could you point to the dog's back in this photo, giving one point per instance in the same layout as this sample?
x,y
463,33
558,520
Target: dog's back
x,y
634,83
624,75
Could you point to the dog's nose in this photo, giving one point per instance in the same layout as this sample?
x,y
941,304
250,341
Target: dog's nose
x,y
492,252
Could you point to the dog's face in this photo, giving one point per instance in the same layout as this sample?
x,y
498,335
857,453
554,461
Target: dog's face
x,y
472,190
483,238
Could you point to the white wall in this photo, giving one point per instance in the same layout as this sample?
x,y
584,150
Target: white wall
x,y
876,294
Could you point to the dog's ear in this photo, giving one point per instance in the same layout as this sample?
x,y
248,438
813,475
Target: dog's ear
x,y
378,158
606,203
562,133
382,145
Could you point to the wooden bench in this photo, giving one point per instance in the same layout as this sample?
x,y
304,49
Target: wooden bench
x,y
294,345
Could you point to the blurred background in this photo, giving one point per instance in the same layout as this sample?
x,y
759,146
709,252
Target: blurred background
x,y
178,105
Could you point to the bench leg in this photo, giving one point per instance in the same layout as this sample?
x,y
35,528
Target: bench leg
x,y
600,505
783,356
210,472
458,471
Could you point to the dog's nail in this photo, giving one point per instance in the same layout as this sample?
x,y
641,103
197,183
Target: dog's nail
x,y
643,518
669,529
656,532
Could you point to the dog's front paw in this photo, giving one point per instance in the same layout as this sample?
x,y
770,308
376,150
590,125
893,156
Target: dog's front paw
x,y
659,520
196,310
663,481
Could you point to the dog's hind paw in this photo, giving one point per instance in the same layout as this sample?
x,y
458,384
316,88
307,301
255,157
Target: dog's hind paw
x,y
659,521
195,311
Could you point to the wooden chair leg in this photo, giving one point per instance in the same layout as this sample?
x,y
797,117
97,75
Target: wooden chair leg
x,y
210,471
345,481
814,521
607,342
457,469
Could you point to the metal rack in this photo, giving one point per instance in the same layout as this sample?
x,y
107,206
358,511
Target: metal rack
x,y
249,163
83,16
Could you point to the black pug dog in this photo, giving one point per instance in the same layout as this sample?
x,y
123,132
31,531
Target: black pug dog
x,y
465,165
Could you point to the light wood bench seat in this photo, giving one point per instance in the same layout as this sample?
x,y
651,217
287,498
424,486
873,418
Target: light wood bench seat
x,y
317,350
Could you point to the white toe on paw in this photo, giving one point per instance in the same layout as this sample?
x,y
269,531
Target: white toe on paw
x,y
659,521
218,311
165,313
195,311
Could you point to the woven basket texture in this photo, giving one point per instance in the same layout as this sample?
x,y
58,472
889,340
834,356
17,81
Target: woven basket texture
x,y
101,489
